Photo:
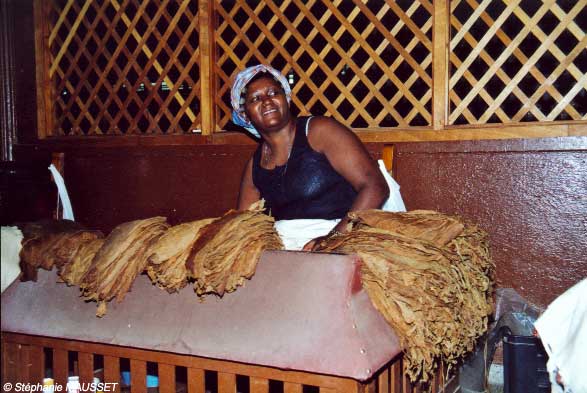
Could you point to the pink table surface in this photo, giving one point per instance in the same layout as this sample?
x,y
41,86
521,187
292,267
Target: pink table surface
x,y
301,311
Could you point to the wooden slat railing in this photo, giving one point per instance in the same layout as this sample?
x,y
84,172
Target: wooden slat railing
x,y
23,360
86,367
60,366
111,369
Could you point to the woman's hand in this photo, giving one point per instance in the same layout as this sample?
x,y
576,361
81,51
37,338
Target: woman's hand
x,y
317,243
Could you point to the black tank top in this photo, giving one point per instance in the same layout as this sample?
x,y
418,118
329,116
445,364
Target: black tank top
x,y
307,186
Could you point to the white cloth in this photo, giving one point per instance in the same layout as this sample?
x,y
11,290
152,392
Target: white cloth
x,y
394,203
11,239
563,331
62,195
296,233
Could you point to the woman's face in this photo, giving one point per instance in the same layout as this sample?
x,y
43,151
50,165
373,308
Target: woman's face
x,y
266,104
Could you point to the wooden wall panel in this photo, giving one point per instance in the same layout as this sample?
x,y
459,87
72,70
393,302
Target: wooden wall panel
x,y
25,81
110,186
528,195
27,192
114,184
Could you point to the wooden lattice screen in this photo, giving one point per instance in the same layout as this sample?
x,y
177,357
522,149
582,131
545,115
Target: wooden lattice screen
x,y
518,61
369,65
122,67
125,67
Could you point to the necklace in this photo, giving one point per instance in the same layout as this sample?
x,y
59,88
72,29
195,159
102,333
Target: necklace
x,y
268,154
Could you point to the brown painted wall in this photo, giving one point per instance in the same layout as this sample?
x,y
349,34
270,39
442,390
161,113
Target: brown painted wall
x,y
111,186
529,195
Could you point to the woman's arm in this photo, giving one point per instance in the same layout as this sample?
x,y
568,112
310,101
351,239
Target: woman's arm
x,y
350,159
248,192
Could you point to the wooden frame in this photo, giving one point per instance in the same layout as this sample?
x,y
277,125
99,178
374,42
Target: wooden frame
x,y
23,360
214,51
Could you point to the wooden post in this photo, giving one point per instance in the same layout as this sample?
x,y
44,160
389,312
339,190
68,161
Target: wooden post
x,y
387,157
258,385
44,103
166,378
138,376
196,380
7,70
111,369
440,64
207,52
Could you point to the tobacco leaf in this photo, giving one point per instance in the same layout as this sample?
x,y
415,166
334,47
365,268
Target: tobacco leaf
x,y
49,243
168,256
73,272
122,257
228,249
431,277
428,225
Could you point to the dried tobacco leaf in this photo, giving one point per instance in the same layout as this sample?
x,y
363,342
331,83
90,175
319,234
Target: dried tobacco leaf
x,y
431,226
431,277
227,250
73,272
51,243
120,260
168,257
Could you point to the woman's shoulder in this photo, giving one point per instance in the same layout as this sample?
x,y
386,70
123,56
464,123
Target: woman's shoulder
x,y
325,127
324,131
323,121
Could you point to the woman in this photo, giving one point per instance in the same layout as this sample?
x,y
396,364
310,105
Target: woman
x,y
304,168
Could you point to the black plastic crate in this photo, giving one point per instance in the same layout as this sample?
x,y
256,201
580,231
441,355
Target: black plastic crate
x,y
524,365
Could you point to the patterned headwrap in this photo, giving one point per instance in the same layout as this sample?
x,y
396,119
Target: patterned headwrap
x,y
239,84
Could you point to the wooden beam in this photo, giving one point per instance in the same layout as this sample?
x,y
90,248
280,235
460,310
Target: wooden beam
x,y
440,65
207,83
44,83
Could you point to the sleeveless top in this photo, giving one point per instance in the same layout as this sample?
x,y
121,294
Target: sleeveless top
x,y
306,186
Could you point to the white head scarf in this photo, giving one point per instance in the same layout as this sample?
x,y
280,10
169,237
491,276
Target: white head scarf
x,y
240,82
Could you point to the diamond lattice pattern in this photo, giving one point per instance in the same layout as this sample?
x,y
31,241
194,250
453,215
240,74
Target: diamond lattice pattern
x,y
123,67
518,61
133,66
366,63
